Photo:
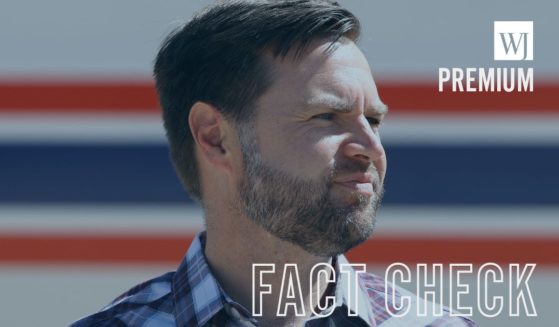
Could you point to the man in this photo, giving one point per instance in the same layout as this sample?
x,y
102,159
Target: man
x,y
273,118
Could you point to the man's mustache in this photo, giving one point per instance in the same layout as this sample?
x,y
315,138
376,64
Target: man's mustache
x,y
349,167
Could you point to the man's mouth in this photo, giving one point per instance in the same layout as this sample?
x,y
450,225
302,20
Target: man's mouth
x,y
361,183
362,188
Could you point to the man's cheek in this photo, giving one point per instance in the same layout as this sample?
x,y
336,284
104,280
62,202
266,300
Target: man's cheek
x,y
381,165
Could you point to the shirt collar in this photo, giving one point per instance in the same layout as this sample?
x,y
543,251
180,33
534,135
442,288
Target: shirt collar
x,y
346,284
198,295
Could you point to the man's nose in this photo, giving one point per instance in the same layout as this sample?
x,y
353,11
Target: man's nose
x,y
364,143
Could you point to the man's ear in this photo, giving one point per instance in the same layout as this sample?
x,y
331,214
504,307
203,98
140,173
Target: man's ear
x,y
207,127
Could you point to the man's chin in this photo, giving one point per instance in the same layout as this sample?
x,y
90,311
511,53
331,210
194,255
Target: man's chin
x,y
332,249
342,238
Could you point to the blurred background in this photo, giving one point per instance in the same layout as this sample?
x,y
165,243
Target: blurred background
x,y
90,205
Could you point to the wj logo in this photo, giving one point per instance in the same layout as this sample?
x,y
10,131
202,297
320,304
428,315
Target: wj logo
x,y
513,40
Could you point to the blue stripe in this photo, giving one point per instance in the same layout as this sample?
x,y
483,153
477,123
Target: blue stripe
x,y
484,175
426,174
77,173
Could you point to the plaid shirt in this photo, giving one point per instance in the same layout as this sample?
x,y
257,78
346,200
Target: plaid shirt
x,y
191,296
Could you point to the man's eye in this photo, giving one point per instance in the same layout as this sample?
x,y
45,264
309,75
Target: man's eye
x,y
325,116
373,121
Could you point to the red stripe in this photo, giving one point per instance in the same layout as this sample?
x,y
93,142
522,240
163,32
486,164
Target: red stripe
x,y
80,96
167,249
543,251
140,96
421,97
92,249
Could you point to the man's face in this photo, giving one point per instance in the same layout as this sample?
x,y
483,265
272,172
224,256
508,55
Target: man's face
x,y
313,162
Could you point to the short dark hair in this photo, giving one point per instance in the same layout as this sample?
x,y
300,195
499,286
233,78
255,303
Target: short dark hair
x,y
217,58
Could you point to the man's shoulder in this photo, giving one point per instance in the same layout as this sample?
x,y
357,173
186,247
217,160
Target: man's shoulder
x,y
396,306
147,304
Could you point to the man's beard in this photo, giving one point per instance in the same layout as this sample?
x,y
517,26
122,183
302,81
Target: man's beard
x,y
304,212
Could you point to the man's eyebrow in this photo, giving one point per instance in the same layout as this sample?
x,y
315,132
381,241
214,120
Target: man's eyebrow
x,y
342,106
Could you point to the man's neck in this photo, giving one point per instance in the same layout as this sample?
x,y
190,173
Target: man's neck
x,y
231,252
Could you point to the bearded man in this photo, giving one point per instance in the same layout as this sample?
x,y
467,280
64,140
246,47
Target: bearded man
x,y
273,118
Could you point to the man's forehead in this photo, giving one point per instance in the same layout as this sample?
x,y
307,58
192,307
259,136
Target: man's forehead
x,y
340,79
317,61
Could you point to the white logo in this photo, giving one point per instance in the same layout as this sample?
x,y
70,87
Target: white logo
x,y
513,40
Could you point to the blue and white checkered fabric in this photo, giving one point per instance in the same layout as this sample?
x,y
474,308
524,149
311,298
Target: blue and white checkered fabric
x,y
191,296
